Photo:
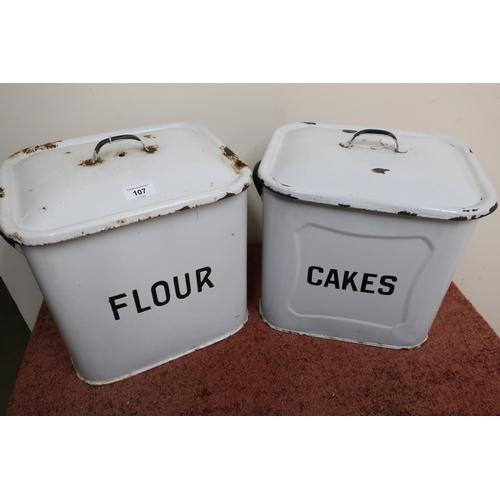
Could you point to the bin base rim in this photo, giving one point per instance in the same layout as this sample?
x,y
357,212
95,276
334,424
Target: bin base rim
x,y
341,339
149,367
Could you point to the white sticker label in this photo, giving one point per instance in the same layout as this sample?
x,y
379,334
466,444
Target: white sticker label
x,y
139,191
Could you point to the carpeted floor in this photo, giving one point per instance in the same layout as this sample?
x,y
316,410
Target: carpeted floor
x,y
259,371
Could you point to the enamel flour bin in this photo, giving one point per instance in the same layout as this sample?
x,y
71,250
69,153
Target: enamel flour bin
x,y
138,246
363,230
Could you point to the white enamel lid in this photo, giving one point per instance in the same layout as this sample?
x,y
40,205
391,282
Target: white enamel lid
x,y
396,172
55,191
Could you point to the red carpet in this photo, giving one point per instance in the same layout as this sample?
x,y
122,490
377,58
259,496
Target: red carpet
x,y
259,371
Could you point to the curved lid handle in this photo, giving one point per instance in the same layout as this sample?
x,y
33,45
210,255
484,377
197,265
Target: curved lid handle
x,y
115,138
373,131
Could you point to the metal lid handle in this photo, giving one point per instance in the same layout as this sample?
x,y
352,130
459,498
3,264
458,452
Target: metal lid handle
x,y
116,138
373,131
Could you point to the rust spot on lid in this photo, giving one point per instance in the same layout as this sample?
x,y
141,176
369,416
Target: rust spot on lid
x,y
475,216
237,163
149,136
2,192
90,162
344,206
185,207
44,208
288,195
151,149
67,153
471,151
34,149
462,217
227,195
380,170
407,213
149,217
15,236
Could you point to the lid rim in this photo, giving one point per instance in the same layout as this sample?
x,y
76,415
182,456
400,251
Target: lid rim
x,y
458,214
96,226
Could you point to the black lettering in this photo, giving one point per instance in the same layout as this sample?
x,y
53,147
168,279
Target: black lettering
x,y
188,287
333,273
115,306
384,282
166,291
366,282
349,280
309,275
138,306
200,282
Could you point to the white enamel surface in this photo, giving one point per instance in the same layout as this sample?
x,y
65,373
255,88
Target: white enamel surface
x,y
437,177
51,197
78,278
421,253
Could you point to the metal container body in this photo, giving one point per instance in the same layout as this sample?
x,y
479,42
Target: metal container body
x,y
135,297
363,230
353,275
139,249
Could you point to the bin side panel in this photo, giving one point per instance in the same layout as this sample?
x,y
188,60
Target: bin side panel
x,y
356,275
137,296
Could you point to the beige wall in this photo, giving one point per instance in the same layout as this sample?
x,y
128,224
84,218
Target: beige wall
x,y
244,116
